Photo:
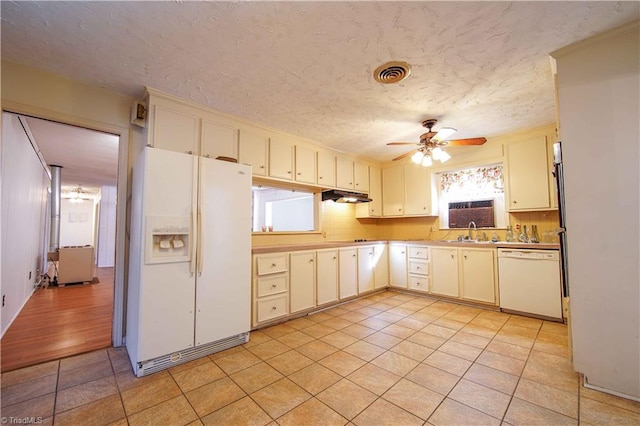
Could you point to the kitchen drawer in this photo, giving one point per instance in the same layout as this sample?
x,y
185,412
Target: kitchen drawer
x,y
271,264
271,284
419,252
272,307
418,267
419,283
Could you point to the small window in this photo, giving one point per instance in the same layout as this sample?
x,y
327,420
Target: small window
x,y
470,186
283,210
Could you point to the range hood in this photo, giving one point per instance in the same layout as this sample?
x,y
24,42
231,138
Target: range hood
x,y
340,196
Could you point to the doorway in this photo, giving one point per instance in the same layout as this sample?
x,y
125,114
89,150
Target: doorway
x,y
77,317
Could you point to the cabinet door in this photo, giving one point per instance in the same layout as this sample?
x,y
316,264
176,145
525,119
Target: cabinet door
x,y
327,276
393,191
326,169
373,208
365,269
398,265
302,289
305,164
344,173
380,266
478,276
348,272
175,130
361,177
528,174
417,184
252,149
444,271
218,140
280,159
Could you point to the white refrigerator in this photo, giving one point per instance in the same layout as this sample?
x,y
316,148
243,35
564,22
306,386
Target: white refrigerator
x,y
189,287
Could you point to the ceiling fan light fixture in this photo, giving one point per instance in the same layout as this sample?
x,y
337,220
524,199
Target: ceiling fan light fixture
x,y
444,157
417,157
427,161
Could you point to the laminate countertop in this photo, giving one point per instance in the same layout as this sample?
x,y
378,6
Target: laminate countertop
x,y
441,243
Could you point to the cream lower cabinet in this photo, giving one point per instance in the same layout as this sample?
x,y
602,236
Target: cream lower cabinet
x,y
365,269
478,275
381,266
418,268
398,265
348,272
464,273
270,287
302,276
444,271
326,276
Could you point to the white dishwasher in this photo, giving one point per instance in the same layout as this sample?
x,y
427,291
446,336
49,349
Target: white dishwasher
x,y
529,282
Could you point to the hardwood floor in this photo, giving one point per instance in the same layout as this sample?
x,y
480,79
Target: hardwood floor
x,y
58,322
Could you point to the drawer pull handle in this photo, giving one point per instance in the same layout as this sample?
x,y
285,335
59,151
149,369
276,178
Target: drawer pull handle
x,y
273,286
310,260
273,265
273,308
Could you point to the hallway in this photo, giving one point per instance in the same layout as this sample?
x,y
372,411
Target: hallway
x,y
57,322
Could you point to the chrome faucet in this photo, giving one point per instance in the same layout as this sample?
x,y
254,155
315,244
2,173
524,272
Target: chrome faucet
x,y
475,228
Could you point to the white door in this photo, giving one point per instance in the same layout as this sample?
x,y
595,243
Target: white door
x,y
365,269
348,272
302,274
223,290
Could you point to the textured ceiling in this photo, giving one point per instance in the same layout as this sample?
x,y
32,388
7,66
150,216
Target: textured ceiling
x,y
306,67
88,158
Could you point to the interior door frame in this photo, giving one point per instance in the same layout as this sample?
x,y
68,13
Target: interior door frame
x,y
124,135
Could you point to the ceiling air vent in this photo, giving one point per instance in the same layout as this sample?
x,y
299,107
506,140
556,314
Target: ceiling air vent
x,y
392,72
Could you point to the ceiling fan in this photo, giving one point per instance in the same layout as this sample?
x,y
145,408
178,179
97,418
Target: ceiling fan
x,y
431,143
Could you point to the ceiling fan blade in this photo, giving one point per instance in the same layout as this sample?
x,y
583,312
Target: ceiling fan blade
x,y
443,134
403,143
406,154
470,141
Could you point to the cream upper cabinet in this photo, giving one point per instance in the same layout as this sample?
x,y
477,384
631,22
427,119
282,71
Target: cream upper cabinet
x,y
305,161
373,208
365,269
280,159
302,273
477,274
444,271
344,173
393,191
327,276
252,149
417,187
398,265
528,174
175,130
348,272
326,169
218,140
361,177
381,266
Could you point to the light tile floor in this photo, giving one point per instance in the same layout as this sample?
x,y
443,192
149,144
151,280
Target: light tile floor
x,y
387,359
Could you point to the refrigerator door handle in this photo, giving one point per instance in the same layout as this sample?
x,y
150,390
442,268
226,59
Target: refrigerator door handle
x,y
192,261
199,249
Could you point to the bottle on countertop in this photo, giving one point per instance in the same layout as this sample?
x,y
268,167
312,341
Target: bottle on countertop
x,y
509,237
494,238
524,237
535,238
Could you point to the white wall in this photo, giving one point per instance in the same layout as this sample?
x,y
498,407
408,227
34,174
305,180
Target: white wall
x,y
598,87
24,196
77,221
